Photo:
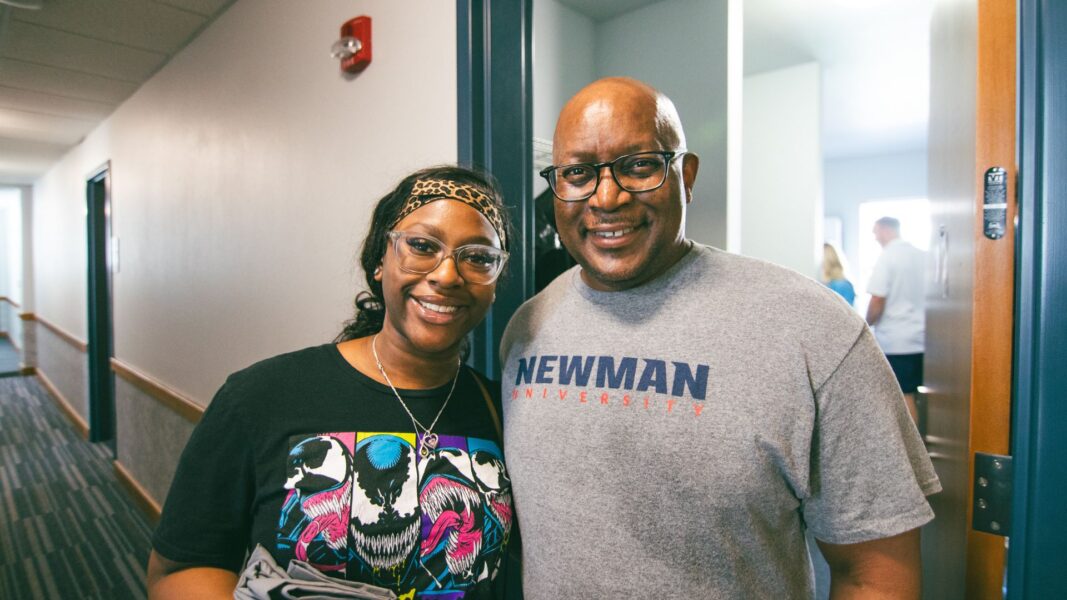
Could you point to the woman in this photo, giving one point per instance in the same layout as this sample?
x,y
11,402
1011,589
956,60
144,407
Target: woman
x,y
375,459
833,275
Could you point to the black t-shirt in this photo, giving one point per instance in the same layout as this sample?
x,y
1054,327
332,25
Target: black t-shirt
x,y
313,460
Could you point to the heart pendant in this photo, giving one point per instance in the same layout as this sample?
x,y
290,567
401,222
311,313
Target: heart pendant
x,y
430,440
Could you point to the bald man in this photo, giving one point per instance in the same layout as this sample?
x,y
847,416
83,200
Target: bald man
x,y
672,427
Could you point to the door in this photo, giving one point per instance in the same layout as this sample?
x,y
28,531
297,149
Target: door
x,y
495,133
970,295
101,379
1037,560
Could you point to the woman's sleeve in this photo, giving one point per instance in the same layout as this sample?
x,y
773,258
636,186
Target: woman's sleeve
x,y
207,515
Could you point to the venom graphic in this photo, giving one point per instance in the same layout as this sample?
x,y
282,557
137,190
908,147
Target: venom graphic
x,y
466,504
315,514
385,518
493,483
363,506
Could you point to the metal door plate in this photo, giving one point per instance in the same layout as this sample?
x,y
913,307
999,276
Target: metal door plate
x,y
992,493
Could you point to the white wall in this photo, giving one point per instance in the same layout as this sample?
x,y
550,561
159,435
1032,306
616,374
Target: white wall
x,y
680,47
781,189
848,182
11,243
242,178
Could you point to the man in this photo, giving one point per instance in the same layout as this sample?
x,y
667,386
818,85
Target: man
x,y
671,428
897,310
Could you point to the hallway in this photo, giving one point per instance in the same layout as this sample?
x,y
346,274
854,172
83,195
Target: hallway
x,y
67,529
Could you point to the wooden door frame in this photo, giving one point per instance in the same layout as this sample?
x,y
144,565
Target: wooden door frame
x,y
495,126
1037,561
994,273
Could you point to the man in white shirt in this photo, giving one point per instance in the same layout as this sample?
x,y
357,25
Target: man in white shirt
x,y
897,310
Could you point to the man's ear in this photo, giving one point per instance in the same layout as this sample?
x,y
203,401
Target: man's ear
x,y
690,166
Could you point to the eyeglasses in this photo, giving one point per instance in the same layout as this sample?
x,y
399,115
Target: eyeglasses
x,y
421,253
639,172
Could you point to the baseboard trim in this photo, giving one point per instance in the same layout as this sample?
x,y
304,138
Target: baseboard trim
x,y
138,494
63,334
64,406
172,399
26,370
10,301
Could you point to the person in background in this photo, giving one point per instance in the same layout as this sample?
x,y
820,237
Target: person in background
x,y
677,417
897,311
833,274
373,459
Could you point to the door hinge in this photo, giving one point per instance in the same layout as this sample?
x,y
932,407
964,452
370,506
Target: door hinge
x,y
992,493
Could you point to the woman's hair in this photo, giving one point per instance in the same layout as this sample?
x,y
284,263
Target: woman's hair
x,y
370,307
831,264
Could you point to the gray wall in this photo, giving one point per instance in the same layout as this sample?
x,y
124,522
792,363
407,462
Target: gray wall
x,y
564,60
152,438
65,366
243,174
680,47
570,50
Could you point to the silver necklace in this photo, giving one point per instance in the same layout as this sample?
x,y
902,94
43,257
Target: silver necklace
x,y
429,438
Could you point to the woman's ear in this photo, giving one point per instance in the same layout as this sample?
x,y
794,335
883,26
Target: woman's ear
x,y
378,274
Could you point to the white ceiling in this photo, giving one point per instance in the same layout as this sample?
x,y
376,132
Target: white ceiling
x,y
66,67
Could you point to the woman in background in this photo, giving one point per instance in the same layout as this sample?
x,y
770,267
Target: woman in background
x,y
833,274
374,459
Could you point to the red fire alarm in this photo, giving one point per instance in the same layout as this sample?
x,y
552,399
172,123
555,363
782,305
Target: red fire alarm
x,y
354,47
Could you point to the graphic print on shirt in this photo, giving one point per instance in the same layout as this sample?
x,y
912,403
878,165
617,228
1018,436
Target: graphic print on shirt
x,y
466,510
363,506
318,475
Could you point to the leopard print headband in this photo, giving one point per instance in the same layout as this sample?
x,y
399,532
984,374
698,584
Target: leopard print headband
x,y
426,191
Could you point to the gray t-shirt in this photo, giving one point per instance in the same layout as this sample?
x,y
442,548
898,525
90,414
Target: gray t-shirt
x,y
676,439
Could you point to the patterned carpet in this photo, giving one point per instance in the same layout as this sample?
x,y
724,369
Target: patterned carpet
x,y
67,530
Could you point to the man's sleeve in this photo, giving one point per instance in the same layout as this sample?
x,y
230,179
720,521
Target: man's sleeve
x,y
870,471
206,518
879,282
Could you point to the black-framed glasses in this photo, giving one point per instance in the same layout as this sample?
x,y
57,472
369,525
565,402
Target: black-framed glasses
x,y
421,253
638,172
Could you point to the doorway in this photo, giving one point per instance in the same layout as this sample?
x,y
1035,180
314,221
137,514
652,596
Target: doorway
x,y
101,345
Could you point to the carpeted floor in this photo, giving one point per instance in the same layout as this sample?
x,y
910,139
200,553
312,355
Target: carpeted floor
x,y
67,529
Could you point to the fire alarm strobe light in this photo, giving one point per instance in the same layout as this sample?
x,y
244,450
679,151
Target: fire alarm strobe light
x,y
354,47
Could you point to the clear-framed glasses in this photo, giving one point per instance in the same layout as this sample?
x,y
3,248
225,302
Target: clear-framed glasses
x,y
638,172
421,253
